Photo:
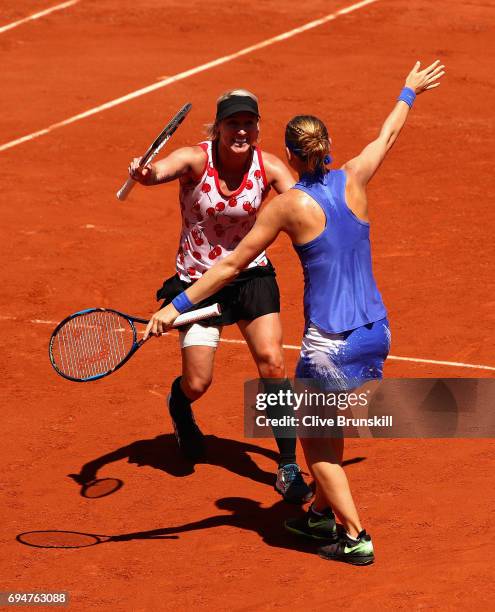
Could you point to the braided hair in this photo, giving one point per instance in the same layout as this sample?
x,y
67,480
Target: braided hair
x,y
307,137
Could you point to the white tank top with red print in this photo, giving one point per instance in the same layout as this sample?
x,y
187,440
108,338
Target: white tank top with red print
x,y
213,223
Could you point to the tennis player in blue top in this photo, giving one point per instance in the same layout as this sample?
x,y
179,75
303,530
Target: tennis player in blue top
x,y
346,337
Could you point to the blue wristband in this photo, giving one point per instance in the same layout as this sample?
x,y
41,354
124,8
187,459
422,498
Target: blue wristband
x,y
408,96
181,302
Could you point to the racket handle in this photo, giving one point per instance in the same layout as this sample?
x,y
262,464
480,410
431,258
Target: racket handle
x,y
126,188
197,315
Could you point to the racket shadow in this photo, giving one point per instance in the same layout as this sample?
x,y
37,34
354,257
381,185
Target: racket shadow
x,y
97,488
57,538
243,513
162,453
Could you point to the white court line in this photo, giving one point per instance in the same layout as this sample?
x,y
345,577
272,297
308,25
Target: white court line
x,y
184,75
454,364
59,7
294,347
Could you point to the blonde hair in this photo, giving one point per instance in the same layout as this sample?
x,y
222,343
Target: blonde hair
x,y
212,128
307,137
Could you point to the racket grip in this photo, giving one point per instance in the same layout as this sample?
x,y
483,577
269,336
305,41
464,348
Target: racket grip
x,y
197,315
126,188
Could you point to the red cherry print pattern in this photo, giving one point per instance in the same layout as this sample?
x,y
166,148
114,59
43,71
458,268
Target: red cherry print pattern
x,y
197,248
215,252
198,241
206,188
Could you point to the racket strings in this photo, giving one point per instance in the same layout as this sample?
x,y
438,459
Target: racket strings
x,y
91,344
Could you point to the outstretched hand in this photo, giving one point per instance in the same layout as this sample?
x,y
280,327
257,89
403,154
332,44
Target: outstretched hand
x,y
161,321
421,80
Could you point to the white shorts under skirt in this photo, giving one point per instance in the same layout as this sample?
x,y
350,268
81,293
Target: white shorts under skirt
x,y
200,335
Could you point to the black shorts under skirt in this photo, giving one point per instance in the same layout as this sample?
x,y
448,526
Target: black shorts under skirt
x,y
252,294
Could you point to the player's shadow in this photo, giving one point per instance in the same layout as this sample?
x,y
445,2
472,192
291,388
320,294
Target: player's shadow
x,y
245,514
162,453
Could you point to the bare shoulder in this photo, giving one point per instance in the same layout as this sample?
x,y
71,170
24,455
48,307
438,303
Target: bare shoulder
x,y
199,157
277,173
271,160
193,158
299,201
195,154
186,155
291,204
300,215
273,165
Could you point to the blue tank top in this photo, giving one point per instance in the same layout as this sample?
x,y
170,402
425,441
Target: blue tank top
x,y
340,292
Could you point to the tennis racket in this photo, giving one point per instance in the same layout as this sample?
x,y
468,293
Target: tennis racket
x,y
93,343
155,148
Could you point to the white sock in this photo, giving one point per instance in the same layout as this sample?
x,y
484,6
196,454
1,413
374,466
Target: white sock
x,y
352,538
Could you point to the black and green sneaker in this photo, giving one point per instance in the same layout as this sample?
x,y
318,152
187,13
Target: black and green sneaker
x,y
316,526
358,552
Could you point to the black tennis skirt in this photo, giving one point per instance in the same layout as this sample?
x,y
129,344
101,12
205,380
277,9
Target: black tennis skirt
x,y
252,294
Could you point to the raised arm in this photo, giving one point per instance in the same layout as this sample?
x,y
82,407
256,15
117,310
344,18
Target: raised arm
x,y
267,227
188,160
364,166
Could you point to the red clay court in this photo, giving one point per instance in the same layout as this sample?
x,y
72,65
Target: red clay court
x,y
213,538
